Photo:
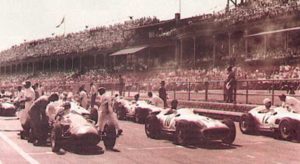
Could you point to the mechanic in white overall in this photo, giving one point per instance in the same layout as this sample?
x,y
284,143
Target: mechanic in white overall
x,y
292,104
155,100
105,112
29,97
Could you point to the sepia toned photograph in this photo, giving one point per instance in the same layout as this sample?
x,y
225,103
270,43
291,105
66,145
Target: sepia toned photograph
x,y
149,81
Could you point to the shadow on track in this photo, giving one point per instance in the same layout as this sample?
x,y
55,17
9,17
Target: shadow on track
x,y
216,145
83,150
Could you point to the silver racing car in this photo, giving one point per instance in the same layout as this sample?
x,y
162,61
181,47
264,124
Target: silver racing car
x,y
188,127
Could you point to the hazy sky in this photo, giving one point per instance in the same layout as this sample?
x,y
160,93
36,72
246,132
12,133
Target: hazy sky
x,y
34,19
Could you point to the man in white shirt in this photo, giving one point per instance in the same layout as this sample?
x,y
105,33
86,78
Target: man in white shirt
x,y
105,112
83,97
29,97
155,100
291,103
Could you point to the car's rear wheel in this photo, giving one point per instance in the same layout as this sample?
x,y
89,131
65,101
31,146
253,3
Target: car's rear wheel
x,y
286,130
246,124
232,132
56,134
110,136
120,114
31,138
152,127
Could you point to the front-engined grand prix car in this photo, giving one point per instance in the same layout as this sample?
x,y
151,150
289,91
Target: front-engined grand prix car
x,y
281,122
138,111
188,127
76,129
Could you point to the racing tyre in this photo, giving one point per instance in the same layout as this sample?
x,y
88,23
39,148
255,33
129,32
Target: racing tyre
x,y
22,135
110,136
31,138
286,130
120,114
180,136
152,127
94,115
56,134
232,132
246,124
137,118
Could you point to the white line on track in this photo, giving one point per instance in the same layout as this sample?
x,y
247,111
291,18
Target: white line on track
x,y
250,156
153,148
41,153
18,149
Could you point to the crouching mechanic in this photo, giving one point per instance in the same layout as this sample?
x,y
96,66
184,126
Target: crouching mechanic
x,y
38,118
155,100
292,104
105,112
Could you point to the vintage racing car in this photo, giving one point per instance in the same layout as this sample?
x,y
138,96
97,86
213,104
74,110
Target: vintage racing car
x,y
77,129
188,127
138,111
281,122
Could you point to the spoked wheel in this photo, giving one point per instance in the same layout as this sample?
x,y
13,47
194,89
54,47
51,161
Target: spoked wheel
x,y
180,137
110,136
55,137
246,124
137,118
120,114
152,127
285,130
232,132
31,138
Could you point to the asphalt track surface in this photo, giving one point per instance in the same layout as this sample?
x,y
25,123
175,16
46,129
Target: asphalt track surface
x,y
134,147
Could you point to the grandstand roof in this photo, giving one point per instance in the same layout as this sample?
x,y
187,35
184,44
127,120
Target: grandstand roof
x,y
127,51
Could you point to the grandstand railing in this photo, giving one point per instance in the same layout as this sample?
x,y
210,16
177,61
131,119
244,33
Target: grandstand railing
x,y
246,92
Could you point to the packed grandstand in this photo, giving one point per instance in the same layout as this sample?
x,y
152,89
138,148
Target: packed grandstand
x,y
176,50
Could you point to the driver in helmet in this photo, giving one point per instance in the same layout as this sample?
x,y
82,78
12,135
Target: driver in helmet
x,y
173,109
267,106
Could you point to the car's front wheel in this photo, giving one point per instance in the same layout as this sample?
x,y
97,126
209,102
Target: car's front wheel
x,y
152,127
232,132
180,136
120,114
247,124
286,130
110,136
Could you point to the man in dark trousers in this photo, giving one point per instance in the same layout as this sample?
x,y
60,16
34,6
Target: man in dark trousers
x,y
93,94
38,118
121,85
162,93
230,84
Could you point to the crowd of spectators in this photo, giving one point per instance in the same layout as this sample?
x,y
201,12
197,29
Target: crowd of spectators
x,y
98,38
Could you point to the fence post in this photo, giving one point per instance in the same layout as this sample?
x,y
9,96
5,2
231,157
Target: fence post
x,y
273,92
189,91
174,91
247,92
129,91
206,90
